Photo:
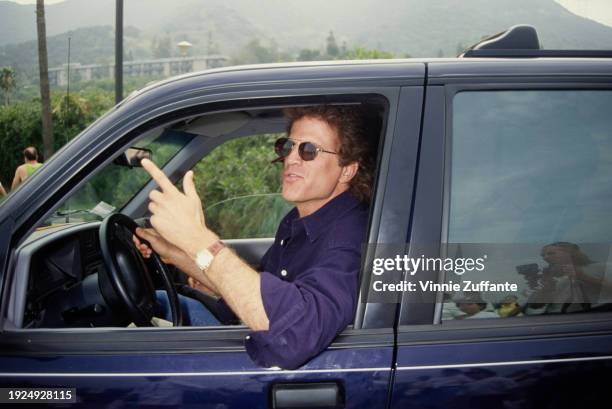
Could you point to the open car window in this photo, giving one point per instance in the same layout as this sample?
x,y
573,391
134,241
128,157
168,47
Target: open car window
x,y
246,201
59,267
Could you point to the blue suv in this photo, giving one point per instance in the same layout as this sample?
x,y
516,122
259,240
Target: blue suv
x,y
505,151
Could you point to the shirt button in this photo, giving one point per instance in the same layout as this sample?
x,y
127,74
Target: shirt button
x,y
247,337
282,242
284,273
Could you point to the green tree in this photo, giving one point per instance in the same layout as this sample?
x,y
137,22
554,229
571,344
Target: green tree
x,y
163,48
332,47
21,125
307,54
7,83
236,180
255,53
362,53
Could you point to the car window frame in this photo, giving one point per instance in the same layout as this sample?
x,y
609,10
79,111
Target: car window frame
x,y
431,223
101,339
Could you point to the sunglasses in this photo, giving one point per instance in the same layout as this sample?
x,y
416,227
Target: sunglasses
x,y
307,150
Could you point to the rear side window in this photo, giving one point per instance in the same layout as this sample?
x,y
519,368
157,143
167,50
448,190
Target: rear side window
x,y
531,194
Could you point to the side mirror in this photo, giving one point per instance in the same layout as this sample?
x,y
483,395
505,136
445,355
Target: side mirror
x,y
132,157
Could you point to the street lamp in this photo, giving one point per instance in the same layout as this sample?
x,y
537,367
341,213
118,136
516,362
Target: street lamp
x,y
184,46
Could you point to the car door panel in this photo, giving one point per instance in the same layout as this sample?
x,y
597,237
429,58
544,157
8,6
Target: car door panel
x,y
520,362
198,370
501,370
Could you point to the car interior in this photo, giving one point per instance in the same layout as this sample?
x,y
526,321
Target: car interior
x,y
80,269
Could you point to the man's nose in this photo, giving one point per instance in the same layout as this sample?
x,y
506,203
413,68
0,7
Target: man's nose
x,y
294,156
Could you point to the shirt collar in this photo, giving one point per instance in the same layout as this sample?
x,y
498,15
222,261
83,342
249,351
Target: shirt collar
x,y
319,221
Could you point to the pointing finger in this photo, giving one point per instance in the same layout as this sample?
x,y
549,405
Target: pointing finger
x,y
158,176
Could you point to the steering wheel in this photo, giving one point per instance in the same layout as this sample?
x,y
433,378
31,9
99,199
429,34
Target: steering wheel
x,y
126,284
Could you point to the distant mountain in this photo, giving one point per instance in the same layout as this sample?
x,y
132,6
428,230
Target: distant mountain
x,y
91,45
414,27
191,18
419,27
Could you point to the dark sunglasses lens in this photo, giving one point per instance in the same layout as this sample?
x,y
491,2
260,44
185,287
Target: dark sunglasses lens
x,y
307,151
283,146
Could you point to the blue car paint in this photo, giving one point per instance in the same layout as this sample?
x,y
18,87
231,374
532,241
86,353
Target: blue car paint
x,y
555,372
203,380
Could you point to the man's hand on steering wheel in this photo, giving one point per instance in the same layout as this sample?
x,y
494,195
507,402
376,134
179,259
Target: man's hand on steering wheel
x,y
126,283
170,254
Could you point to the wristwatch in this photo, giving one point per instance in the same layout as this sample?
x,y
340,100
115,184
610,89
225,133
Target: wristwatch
x,y
204,258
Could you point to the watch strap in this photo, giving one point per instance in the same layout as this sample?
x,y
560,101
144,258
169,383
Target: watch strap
x,y
216,247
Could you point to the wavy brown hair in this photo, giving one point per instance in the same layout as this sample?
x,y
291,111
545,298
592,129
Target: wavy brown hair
x,y
358,131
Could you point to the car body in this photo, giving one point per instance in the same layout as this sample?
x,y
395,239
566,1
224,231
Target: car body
x,y
398,354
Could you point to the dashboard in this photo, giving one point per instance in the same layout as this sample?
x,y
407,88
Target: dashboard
x,y
56,280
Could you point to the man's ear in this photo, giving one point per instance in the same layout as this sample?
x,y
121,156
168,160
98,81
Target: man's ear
x,y
348,172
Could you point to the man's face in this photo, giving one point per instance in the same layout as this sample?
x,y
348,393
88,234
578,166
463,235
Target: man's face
x,y
311,184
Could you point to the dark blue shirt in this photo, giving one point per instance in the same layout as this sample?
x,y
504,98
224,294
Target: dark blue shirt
x,y
309,282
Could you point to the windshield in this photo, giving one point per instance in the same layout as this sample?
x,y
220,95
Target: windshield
x,y
114,186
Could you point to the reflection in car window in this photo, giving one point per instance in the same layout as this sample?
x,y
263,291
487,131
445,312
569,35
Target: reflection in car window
x,y
530,188
114,186
240,188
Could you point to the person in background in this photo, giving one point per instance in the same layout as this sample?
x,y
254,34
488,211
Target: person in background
x,y
473,306
509,307
30,165
571,282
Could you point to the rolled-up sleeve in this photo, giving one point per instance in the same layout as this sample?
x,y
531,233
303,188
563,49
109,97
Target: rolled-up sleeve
x,y
306,315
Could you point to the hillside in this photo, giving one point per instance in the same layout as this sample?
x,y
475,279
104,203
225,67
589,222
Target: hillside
x,y
414,27
87,45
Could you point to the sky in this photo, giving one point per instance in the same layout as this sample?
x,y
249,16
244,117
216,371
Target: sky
x,y
598,10
34,1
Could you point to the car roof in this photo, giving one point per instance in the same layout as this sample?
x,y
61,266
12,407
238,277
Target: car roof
x,y
407,69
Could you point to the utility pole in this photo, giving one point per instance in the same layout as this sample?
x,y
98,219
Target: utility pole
x,y
118,51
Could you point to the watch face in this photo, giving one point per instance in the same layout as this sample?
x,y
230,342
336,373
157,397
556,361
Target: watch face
x,y
203,259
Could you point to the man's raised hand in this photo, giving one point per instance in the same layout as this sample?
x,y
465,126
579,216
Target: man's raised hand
x,y
178,217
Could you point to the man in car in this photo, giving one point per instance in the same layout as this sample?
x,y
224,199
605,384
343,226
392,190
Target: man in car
x,y
306,292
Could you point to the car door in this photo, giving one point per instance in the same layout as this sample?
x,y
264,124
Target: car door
x,y
514,162
207,367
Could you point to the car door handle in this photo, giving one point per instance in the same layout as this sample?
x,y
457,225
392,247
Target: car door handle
x,y
307,395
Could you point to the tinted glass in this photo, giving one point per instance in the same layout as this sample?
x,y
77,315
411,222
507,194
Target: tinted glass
x,y
530,169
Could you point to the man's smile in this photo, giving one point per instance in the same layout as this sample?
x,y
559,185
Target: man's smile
x,y
290,176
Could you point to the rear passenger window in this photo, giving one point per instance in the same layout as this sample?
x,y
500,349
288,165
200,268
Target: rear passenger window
x,y
530,191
